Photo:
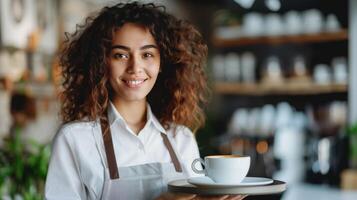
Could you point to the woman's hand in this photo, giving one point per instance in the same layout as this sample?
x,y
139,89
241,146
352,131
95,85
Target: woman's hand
x,y
183,196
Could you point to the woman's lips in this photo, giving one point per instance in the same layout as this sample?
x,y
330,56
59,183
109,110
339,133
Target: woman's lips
x,y
135,83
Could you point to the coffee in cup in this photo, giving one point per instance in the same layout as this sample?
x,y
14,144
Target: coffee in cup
x,y
226,169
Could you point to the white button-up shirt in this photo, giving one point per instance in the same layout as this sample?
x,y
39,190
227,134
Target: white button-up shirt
x,y
76,169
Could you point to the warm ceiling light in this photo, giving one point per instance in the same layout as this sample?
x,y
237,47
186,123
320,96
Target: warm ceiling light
x,y
262,147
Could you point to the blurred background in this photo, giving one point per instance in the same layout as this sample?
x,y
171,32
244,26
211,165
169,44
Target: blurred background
x,y
282,74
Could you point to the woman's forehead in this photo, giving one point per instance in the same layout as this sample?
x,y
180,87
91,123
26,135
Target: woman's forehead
x,y
133,34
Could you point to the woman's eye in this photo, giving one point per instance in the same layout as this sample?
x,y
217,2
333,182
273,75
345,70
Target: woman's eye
x,y
148,55
120,56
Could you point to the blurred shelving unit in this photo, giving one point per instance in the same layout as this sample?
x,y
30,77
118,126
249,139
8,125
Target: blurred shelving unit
x,y
258,89
36,89
341,35
288,87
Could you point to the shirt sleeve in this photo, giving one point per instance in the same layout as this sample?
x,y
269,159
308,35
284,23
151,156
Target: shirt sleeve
x,y
63,181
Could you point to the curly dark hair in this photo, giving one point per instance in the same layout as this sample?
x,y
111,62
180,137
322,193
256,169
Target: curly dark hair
x,y
180,91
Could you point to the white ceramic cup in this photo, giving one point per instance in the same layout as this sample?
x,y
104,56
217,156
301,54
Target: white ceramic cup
x,y
253,24
293,23
274,24
232,67
313,21
225,169
332,23
248,65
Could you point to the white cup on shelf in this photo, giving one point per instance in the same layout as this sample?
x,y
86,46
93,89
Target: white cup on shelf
x,y
332,23
248,65
273,25
299,66
338,113
293,23
232,67
313,21
339,68
322,74
272,72
253,24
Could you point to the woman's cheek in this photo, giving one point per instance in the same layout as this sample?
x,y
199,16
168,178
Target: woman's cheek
x,y
116,68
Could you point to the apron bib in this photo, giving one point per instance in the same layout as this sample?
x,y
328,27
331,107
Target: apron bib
x,y
139,182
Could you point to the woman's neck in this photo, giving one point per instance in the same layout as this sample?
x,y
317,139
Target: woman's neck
x,y
133,112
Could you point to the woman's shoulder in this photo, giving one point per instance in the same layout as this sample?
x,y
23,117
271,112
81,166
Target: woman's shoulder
x,y
77,126
75,129
185,142
180,132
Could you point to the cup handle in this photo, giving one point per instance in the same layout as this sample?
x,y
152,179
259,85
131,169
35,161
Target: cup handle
x,y
193,166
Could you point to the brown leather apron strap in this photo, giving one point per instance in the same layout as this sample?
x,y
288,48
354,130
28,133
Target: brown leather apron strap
x,y
172,153
110,154
109,150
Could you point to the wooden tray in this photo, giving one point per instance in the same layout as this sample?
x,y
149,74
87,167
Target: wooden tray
x,y
182,186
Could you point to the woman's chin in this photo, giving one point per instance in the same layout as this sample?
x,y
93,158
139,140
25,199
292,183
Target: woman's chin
x,y
132,97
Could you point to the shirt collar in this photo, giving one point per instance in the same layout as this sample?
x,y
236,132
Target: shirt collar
x,y
151,118
114,115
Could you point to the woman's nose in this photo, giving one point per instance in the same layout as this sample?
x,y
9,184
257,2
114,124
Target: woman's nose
x,y
135,66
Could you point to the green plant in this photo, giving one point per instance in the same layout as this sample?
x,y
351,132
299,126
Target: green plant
x,y
352,132
23,170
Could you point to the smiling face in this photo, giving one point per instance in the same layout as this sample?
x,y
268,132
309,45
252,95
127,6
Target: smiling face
x,y
134,63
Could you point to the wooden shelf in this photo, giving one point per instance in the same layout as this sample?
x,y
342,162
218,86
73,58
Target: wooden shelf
x,y
273,40
278,89
35,89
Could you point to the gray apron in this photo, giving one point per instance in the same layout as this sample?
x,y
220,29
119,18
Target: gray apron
x,y
146,181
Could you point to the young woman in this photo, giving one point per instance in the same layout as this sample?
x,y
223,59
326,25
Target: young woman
x,y
133,87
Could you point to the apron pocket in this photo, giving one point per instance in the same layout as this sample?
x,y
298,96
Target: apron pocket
x,y
138,188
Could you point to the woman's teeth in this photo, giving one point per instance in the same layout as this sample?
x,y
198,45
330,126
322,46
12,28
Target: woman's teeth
x,y
134,82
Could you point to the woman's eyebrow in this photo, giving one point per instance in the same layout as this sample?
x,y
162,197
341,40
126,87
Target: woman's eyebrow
x,y
120,47
149,46
128,48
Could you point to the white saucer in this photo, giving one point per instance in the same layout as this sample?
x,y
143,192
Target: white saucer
x,y
205,181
